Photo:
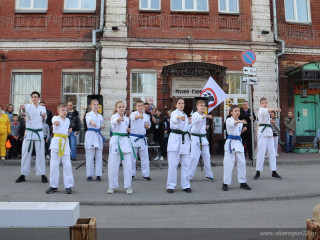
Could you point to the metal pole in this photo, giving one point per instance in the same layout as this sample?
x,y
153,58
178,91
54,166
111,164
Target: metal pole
x,y
252,130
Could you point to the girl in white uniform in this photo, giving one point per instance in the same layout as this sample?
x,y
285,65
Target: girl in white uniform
x,y
120,150
60,151
265,140
178,149
140,122
233,150
94,142
199,142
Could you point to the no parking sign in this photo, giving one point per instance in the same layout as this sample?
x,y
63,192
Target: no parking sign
x,y
248,57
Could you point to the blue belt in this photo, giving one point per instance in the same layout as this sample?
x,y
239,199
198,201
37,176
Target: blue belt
x,y
97,131
139,137
231,137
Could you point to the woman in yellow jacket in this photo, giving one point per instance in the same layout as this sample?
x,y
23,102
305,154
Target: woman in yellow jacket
x,y
4,132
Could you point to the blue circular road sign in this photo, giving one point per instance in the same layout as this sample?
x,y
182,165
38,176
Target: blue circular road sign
x,y
248,57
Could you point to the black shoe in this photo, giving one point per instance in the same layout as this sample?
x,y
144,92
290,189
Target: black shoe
x,y
187,190
68,191
225,187
73,159
21,179
44,179
89,179
98,179
276,175
256,176
170,190
245,186
132,178
51,190
146,178
251,159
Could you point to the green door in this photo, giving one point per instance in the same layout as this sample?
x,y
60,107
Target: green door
x,y
305,115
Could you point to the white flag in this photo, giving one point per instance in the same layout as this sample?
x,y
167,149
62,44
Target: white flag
x,y
214,93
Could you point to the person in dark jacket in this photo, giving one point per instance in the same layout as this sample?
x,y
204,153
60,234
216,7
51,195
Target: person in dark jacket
x,y
74,118
158,133
245,114
49,115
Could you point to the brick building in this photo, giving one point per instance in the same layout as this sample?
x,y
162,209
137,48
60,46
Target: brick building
x,y
157,50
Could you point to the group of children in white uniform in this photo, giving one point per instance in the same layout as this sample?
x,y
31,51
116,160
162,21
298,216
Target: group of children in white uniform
x,y
129,139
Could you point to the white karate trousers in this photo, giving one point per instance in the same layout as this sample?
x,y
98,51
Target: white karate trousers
x,y
228,164
54,170
26,157
266,144
144,159
91,155
113,170
194,159
173,160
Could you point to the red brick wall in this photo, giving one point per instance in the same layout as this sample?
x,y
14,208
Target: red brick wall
x,y
51,25
49,62
211,25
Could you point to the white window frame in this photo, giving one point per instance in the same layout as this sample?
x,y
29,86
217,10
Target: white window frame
x,y
189,10
296,13
227,11
31,8
149,6
79,9
236,96
142,95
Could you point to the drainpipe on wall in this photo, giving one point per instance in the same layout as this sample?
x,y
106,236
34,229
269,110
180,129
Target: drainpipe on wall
x,y
275,28
97,48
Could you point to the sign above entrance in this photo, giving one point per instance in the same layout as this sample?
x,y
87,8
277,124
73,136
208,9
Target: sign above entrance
x,y
187,87
248,57
250,71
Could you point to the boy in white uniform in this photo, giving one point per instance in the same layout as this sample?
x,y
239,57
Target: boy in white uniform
x,y
265,140
234,150
120,150
199,142
60,151
94,142
178,149
35,116
140,122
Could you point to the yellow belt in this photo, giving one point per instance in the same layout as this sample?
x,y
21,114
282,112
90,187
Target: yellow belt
x,y
61,150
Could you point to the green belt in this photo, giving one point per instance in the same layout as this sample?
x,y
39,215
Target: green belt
x,y
265,126
120,151
200,137
179,132
34,131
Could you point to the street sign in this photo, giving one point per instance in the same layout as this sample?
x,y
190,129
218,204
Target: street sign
x,y
248,57
250,71
250,80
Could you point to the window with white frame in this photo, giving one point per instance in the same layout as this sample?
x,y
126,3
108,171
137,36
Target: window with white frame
x,y
229,6
150,5
143,86
23,84
190,5
31,5
297,11
237,91
80,5
76,87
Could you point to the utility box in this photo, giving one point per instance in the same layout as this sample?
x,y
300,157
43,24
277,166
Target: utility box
x,y
84,229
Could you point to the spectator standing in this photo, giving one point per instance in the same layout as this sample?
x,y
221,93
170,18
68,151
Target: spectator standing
x,y
4,133
15,136
158,133
246,136
47,139
9,111
22,130
149,133
275,129
166,131
316,141
74,118
290,126
49,115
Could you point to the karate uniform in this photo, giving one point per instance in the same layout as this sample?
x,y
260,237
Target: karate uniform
x,y
65,158
33,121
237,153
114,153
140,143
178,152
198,126
265,142
94,145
